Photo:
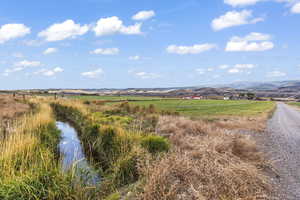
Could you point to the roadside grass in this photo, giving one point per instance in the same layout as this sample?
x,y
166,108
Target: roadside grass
x,y
206,162
294,104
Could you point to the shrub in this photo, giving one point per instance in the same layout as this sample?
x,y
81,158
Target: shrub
x,y
87,102
155,144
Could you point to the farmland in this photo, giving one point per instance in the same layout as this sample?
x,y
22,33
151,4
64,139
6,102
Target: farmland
x,y
194,108
133,146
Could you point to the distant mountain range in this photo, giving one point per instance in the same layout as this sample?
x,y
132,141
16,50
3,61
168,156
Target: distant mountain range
x,y
279,89
274,85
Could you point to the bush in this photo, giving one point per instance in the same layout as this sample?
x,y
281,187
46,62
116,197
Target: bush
x,y
155,144
87,102
126,171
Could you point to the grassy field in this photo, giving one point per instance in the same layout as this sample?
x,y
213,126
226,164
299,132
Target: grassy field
x,y
194,108
294,104
115,98
210,107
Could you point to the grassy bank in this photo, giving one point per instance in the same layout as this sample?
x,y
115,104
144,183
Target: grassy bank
x,y
115,151
29,166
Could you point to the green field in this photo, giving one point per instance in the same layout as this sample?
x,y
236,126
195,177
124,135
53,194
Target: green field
x,y
195,108
114,98
200,108
294,104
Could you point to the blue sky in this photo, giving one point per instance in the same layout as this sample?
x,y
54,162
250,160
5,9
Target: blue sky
x,y
142,43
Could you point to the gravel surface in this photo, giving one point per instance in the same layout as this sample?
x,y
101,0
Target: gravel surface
x,y
282,145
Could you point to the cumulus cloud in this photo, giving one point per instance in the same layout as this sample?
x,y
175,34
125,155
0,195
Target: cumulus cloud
x,y
65,30
49,72
12,31
276,73
236,3
195,49
113,25
50,51
134,57
240,68
22,65
108,51
296,8
93,74
251,42
234,18
144,15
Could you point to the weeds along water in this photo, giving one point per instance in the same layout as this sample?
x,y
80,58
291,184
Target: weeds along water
x,y
119,153
29,161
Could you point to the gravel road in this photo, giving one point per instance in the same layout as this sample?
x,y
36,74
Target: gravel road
x,y
282,143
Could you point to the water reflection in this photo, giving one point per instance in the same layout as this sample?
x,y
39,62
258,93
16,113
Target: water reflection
x,y
73,156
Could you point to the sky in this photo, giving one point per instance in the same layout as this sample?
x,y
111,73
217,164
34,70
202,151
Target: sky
x,y
147,43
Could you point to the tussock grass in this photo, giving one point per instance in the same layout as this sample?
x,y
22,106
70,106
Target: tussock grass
x,y
206,162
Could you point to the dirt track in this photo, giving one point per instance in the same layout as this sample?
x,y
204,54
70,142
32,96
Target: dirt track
x,y
282,143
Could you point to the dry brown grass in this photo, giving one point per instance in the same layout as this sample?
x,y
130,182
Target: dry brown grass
x,y
207,162
257,123
10,107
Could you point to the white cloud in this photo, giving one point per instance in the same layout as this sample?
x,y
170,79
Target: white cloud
x,y
108,51
276,74
240,68
134,57
26,63
236,3
144,15
65,30
12,31
93,74
32,43
233,71
195,49
234,18
244,66
296,8
200,71
113,25
50,51
49,72
147,75
250,43
223,67
22,65
254,36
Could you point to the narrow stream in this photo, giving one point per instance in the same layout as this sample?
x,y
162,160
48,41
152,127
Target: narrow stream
x,y
73,155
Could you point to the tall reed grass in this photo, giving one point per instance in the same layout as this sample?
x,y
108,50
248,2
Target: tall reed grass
x,y
29,164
